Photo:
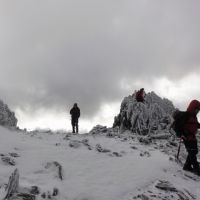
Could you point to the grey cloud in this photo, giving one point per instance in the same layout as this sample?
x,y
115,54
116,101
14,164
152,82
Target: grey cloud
x,y
54,53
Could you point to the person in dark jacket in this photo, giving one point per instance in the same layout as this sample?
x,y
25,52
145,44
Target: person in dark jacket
x,y
75,114
140,95
190,129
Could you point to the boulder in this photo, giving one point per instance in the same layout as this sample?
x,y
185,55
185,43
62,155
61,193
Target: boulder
x,y
151,116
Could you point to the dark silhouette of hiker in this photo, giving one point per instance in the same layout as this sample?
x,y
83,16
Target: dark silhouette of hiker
x,y
75,114
140,95
190,129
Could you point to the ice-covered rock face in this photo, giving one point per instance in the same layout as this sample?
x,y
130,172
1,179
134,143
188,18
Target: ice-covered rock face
x,y
7,117
144,118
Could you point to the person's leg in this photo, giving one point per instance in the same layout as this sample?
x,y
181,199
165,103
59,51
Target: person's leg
x,y
194,162
193,157
188,164
191,160
77,126
73,126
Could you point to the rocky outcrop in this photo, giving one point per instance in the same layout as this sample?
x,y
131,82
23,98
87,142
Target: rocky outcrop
x,y
7,117
144,118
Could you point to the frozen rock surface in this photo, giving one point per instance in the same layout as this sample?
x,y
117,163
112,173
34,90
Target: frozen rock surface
x,y
7,117
150,117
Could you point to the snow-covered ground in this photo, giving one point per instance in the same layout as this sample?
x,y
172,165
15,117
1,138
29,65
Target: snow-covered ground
x,y
94,167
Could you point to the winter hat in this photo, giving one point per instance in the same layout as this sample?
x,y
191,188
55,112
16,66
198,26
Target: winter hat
x,y
194,104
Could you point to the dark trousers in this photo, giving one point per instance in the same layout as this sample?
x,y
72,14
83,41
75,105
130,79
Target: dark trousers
x,y
74,125
192,149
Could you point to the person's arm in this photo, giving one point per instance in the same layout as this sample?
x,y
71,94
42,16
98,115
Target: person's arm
x,y
198,123
79,113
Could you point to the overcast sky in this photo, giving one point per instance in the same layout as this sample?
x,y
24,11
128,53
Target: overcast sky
x,y
95,52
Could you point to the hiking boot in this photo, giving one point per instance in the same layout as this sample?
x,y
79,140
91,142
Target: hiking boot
x,y
197,172
188,168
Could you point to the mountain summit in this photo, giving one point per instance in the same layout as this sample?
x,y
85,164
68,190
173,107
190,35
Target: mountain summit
x,y
149,117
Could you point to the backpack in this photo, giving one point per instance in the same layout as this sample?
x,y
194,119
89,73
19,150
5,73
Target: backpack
x,y
180,118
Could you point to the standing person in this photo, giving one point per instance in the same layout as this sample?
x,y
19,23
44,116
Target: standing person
x,y
140,95
75,114
190,141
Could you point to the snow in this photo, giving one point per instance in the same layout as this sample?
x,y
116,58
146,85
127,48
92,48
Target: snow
x,y
127,170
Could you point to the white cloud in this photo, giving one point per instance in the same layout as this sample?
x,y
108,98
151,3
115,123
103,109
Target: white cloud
x,y
59,120
54,53
180,91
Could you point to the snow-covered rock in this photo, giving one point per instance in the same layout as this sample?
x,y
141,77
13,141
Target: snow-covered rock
x,y
7,117
98,129
152,116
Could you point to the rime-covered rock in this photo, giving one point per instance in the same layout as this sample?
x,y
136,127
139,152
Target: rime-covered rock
x,y
7,117
55,166
152,116
100,149
75,144
13,184
15,192
165,185
8,161
98,129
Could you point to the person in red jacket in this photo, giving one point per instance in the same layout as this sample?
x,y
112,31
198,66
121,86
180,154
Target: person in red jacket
x,y
190,129
140,95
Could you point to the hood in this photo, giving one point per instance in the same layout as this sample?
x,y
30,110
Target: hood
x,y
194,104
